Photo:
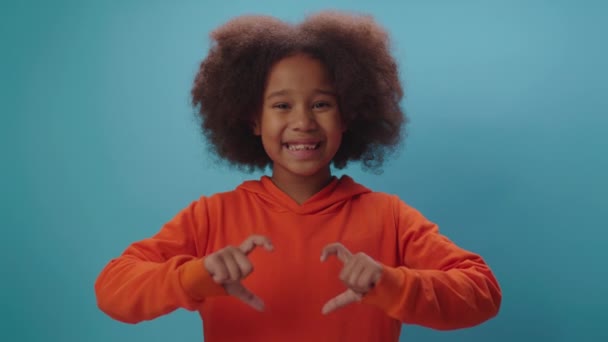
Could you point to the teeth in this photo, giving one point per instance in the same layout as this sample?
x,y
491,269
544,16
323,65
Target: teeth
x,y
301,147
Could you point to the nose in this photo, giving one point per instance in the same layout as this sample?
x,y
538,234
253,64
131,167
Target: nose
x,y
304,120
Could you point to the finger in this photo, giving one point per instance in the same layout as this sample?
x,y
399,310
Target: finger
x,y
348,268
338,250
243,263
234,271
256,240
216,268
367,280
345,298
354,277
239,291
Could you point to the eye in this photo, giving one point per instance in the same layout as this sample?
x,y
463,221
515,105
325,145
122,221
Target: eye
x,y
282,106
320,105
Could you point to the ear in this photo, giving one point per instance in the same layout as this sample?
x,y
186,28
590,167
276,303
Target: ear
x,y
256,127
344,126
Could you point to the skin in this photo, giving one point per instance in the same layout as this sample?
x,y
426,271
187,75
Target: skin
x,y
230,265
359,274
300,107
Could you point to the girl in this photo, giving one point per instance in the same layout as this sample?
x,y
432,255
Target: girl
x,y
300,255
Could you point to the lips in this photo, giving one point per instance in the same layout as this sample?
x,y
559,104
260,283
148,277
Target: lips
x,y
302,145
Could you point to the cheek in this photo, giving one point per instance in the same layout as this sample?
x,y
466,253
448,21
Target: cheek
x,y
335,140
271,138
336,129
270,147
271,123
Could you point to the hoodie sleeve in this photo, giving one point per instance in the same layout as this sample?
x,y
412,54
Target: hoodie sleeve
x,y
158,275
440,285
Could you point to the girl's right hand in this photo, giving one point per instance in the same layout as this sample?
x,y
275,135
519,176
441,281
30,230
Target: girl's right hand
x,y
230,265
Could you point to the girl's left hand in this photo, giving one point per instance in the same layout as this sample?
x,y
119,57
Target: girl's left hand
x,y
360,273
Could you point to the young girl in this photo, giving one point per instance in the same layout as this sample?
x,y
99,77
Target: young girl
x,y
300,255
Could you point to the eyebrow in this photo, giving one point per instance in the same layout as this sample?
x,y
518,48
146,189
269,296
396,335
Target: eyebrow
x,y
287,91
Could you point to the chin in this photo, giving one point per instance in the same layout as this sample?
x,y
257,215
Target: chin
x,y
307,172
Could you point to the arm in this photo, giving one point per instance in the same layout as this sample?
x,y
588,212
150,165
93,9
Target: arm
x,y
156,276
441,285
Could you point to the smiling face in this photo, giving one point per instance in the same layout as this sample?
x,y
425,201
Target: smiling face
x,y
300,123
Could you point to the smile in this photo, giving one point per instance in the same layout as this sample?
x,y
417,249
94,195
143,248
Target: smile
x,y
302,147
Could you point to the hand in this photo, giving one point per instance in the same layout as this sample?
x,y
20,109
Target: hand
x,y
360,274
230,265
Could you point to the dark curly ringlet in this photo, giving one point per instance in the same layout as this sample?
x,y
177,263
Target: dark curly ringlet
x,y
229,86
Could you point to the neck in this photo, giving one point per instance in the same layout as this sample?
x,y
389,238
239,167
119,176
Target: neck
x,y
301,188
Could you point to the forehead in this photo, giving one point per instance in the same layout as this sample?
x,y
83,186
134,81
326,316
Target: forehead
x,y
298,72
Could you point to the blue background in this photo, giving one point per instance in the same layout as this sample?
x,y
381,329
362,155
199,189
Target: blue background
x,y
506,151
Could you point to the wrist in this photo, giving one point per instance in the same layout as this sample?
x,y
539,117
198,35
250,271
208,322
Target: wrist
x,y
197,282
389,286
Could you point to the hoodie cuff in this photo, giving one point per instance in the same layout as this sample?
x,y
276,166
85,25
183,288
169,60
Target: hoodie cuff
x,y
197,282
390,287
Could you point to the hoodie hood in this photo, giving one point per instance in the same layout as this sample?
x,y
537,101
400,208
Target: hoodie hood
x,y
327,200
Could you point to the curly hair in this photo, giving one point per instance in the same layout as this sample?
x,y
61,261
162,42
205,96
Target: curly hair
x,y
229,85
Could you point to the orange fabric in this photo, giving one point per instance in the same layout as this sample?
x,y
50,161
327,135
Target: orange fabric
x,y
427,280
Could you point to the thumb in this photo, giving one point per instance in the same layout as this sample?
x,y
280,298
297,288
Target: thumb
x,y
343,299
239,291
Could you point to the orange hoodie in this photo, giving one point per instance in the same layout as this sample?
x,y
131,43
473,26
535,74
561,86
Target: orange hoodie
x,y
427,280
